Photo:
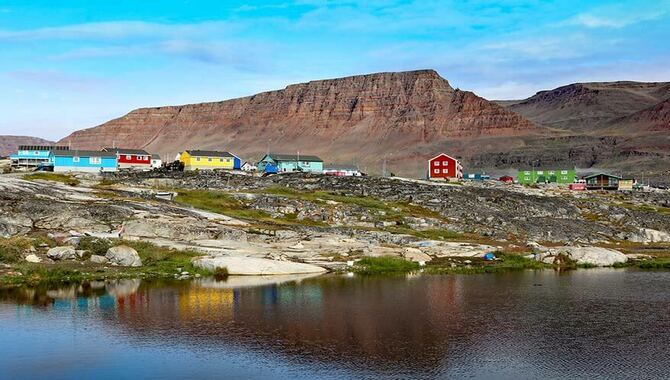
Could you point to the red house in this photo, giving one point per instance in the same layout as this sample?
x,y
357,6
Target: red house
x,y
444,167
136,159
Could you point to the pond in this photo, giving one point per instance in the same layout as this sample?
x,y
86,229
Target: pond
x,y
596,323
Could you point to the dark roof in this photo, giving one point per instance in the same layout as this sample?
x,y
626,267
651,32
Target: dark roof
x,y
42,147
83,153
294,157
126,151
209,153
155,156
597,174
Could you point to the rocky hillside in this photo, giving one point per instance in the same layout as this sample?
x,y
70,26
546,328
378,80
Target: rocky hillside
x,y
407,116
9,144
588,107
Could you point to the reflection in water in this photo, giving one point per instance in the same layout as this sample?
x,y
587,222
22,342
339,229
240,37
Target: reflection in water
x,y
530,324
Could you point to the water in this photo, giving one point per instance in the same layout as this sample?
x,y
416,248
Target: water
x,y
581,324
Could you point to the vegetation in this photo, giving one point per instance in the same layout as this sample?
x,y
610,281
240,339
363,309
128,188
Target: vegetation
x,y
94,246
505,262
384,265
11,249
56,177
222,203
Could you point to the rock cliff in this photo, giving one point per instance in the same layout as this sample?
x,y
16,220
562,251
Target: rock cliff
x,y
354,119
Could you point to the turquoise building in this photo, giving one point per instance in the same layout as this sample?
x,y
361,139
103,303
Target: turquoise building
x,y
526,177
275,162
90,161
33,155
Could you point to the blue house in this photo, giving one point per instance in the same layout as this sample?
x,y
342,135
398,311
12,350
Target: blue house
x,y
276,162
91,161
33,155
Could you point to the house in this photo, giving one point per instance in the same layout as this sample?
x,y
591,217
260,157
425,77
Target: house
x,y
342,170
209,160
506,179
91,161
33,155
290,163
156,161
602,181
134,159
563,176
248,167
627,183
443,166
476,176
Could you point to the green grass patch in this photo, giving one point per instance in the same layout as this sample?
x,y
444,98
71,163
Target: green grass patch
x,y
11,249
56,177
222,203
384,265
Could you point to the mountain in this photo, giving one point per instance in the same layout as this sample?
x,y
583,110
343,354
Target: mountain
x,y
10,144
653,119
588,107
403,117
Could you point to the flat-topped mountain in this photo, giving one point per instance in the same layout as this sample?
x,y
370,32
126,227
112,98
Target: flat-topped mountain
x,y
9,144
359,119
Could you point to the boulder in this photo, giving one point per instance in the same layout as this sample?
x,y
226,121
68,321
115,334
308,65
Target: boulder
x,y
32,258
583,255
62,253
124,256
97,259
252,266
415,254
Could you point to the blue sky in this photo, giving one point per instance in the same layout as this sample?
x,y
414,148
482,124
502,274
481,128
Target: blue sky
x,y
79,63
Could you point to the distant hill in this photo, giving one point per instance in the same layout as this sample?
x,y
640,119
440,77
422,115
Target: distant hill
x,y
10,144
589,107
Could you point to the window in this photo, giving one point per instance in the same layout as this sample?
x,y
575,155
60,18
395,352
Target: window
x,y
437,171
445,171
197,158
75,159
209,159
437,163
94,160
564,172
220,159
37,153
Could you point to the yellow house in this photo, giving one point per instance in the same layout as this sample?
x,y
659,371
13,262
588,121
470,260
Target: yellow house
x,y
209,160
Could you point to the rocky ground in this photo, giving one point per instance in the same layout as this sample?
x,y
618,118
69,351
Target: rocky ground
x,y
301,223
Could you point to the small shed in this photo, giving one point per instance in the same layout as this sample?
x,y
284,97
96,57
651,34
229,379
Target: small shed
x,y
506,179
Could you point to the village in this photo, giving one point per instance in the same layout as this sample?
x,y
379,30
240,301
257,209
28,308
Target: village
x,y
442,167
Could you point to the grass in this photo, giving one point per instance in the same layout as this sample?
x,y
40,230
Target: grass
x,y
158,262
222,203
384,265
56,177
11,249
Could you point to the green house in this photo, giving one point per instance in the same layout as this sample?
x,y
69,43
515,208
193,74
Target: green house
x,y
527,177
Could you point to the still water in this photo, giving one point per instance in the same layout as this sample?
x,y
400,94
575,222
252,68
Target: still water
x,y
581,324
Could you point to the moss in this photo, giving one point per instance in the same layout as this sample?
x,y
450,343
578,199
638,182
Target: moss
x,y
94,246
222,203
384,264
56,177
220,274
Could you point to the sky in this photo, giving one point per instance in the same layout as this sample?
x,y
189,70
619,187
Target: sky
x,y
79,63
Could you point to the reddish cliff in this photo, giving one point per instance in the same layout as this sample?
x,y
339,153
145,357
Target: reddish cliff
x,y
355,119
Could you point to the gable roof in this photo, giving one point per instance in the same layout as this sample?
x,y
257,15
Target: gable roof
x,y
442,154
294,157
155,156
209,153
126,151
82,153
604,174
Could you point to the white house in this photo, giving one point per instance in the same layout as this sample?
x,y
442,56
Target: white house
x,y
156,161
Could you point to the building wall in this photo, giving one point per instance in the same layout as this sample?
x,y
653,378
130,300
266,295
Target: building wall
x,y
68,164
307,166
444,166
206,163
547,176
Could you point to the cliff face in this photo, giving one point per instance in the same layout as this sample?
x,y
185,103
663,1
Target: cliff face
x,y
588,107
355,119
10,144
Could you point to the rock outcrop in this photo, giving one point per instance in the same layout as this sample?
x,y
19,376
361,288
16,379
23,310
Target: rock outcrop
x,y
62,253
598,256
252,266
